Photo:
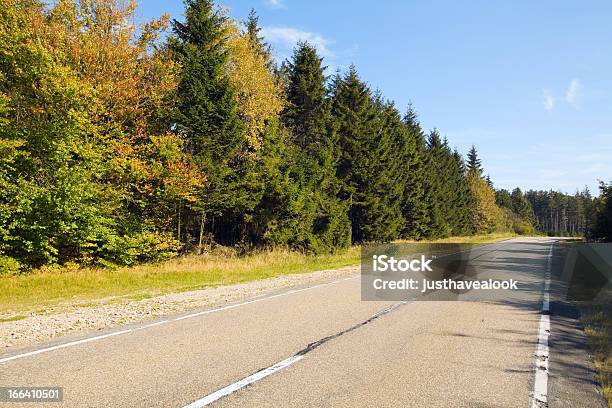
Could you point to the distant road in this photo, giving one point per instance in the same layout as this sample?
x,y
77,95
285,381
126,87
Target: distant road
x,y
322,346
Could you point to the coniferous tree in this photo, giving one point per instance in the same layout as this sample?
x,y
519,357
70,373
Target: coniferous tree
x,y
458,189
395,160
474,163
253,30
435,188
414,207
521,206
503,199
208,117
603,222
364,143
308,116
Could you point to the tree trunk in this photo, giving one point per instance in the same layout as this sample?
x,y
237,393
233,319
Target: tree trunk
x,y
178,233
202,221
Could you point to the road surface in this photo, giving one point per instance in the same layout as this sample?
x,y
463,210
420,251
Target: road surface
x,y
322,346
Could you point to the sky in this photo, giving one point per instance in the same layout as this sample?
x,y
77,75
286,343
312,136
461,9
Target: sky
x,y
528,82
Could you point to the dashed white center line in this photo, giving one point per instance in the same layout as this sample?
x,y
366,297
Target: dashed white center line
x,y
209,399
223,392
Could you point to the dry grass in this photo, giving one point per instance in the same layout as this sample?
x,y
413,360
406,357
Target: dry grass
x,y
597,320
51,287
474,239
596,315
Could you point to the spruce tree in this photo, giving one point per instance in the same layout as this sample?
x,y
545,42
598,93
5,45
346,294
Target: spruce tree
x,y
207,115
414,207
458,190
473,163
252,25
503,199
365,144
308,116
435,188
521,206
253,30
395,160
602,229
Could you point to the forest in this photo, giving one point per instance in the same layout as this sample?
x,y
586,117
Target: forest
x,y
124,143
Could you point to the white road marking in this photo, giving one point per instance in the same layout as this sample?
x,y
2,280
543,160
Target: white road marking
x,y
540,385
223,392
188,316
209,399
155,324
61,346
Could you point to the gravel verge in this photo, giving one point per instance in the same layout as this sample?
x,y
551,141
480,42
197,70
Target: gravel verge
x,y
111,312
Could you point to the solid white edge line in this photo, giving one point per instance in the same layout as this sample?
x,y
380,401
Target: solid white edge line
x,y
209,399
188,316
259,298
61,346
546,302
540,384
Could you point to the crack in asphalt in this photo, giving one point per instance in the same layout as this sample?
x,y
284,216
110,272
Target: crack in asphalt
x,y
378,315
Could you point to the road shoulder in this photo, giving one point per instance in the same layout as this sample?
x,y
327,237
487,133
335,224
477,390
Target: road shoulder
x,y
573,377
76,320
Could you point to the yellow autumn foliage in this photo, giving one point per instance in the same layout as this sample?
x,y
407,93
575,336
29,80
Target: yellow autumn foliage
x,y
486,216
258,94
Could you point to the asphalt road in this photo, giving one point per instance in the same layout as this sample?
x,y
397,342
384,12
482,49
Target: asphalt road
x,y
361,354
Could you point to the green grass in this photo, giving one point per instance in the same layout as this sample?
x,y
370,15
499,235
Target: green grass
x,y
45,288
12,318
474,239
596,316
597,320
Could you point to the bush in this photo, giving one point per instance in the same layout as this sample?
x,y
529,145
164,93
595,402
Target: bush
x,y
522,227
143,247
9,266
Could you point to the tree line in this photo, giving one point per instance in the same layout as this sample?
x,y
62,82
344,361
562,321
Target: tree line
x,y
122,144
559,214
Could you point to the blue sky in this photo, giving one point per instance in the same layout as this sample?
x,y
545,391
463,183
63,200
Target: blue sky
x,y
528,82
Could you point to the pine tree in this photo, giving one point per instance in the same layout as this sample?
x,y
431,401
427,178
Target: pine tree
x,y
414,207
308,111
602,229
253,30
435,188
473,163
365,144
521,206
308,116
208,117
395,164
503,199
458,189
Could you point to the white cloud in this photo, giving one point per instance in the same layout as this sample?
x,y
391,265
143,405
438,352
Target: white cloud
x,y
287,37
277,4
549,101
571,94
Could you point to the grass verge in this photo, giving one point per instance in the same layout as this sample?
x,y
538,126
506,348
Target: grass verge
x,y
595,305
597,320
41,289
